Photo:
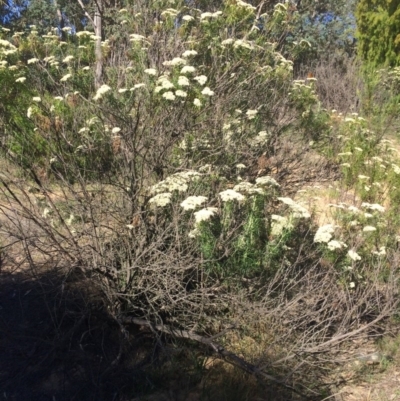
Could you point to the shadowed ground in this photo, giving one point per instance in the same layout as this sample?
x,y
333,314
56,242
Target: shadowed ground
x,y
58,343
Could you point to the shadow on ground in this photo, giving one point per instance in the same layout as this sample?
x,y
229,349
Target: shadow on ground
x,y
59,343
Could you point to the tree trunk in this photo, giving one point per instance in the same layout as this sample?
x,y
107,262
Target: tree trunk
x,y
61,21
98,52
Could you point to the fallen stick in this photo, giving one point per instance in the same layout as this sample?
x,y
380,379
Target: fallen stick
x,y
226,355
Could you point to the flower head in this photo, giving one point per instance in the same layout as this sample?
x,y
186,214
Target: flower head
x,y
68,59
298,210
201,79
248,187
324,233
231,194
175,61
176,182
381,252
162,199
101,91
180,93
83,33
251,114
373,206
188,53
278,224
192,202
353,255
183,81
187,18
228,41
333,245
207,91
205,214
267,180
136,38
165,83
65,77
150,71
169,95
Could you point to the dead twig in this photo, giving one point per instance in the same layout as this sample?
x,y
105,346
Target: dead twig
x,y
218,349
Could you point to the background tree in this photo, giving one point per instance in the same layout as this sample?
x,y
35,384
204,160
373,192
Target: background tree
x,y
378,27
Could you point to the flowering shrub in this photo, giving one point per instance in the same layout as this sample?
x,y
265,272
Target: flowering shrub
x,y
165,188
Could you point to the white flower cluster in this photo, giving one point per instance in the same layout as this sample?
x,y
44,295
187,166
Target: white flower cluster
x,y
201,79
396,168
188,53
243,43
180,93
176,182
65,77
169,95
169,12
83,33
278,223
68,59
247,187
324,233
368,229
188,69
245,5
163,83
150,71
205,214
6,43
192,202
134,37
162,199
298,210
183,81
251,114
187,18
207,15
260,139
380,252
228,41
267,180
101,91
333,245
207,91
353,255
175,61
231,194
373,206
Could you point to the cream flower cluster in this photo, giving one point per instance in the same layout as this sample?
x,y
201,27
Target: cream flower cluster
x,y
101,91
324,233
298,210
176,182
